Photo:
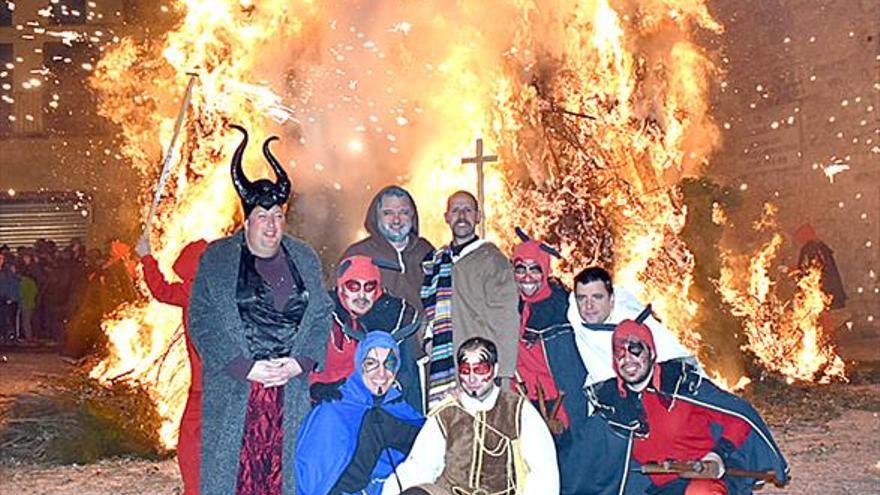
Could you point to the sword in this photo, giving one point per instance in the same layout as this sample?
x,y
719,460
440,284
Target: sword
x,y
166,163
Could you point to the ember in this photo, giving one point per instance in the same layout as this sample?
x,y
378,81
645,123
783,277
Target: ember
x,y
596,112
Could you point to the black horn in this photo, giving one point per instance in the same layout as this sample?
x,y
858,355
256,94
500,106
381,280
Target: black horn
x,y
283,182
241,182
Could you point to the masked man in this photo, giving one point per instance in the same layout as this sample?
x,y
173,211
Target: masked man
x,y
594,310
481,439
371,427
362,306
177,294
392,221
668,412
468,291
549,368
258,315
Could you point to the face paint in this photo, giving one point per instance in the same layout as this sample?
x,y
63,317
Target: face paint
x,y
633,359
358,296
476,374
391,362
522,268
479,368
529,276
378,370
357,285
635,348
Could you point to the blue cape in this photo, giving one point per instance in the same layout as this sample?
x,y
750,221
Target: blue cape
x,y
328,436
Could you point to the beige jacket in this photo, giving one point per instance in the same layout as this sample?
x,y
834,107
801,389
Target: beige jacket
x,y
485,302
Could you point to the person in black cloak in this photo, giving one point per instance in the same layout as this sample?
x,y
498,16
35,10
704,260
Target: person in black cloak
x,y
258,314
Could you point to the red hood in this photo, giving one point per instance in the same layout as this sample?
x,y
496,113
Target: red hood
x,y
805,233
187,261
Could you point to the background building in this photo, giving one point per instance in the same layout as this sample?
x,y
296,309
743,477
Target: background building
x,y
801,101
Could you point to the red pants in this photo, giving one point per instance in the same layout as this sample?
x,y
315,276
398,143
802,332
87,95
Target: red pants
x,y
706,487
189,443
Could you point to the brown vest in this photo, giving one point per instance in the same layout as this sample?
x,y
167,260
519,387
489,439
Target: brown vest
x,y
479,453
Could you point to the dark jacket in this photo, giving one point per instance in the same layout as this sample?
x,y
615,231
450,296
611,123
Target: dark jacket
x,y
389,313
407,282
549,326
617,423
218,333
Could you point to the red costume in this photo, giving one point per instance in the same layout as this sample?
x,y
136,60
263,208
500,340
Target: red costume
x,y
532,365
677,430
339,361
177,294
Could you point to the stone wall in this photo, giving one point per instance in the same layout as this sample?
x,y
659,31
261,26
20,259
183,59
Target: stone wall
x,y
801,97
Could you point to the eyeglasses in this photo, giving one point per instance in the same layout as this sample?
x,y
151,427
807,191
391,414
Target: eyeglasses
x,y
481,368
356,285
522,268
371,364
634,348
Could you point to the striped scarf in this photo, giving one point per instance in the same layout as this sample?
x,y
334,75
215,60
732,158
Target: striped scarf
x,y
437,301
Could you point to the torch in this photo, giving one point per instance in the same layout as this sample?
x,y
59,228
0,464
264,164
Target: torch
x,y
166,163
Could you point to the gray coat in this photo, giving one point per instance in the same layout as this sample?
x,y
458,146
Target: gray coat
x,y
218,335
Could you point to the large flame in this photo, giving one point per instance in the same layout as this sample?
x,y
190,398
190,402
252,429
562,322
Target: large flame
x,y
140,88
596,110
788,338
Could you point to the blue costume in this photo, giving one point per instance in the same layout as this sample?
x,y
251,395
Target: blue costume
x,y
339,438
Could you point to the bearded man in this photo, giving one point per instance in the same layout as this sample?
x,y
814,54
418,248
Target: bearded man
x,y
371,428
594,310
468,291
392,222
258,314
361,307
662,412
482,439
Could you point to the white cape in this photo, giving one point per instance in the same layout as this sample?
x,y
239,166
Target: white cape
x,y
594,346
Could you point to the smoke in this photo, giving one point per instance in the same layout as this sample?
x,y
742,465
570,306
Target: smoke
x,y
395,92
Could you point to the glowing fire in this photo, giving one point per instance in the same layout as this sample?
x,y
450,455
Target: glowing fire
x,y
596,113
786,338
140,91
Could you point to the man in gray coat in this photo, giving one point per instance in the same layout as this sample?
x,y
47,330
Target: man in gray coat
x,y
258,314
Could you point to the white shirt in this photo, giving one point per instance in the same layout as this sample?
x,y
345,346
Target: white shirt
x,y
594,346
428,455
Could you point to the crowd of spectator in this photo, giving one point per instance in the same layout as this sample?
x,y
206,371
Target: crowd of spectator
x,y
55,295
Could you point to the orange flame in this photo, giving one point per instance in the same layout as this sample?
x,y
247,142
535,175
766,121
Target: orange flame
x,y
785,337
595,109
139,88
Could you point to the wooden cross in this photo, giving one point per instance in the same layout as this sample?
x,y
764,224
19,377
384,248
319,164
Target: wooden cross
x,y
479,160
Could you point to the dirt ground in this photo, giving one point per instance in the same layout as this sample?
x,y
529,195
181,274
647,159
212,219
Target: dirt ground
x,y
837,456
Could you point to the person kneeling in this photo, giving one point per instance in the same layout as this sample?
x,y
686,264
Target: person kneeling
x,y
353,445
687,436
481,439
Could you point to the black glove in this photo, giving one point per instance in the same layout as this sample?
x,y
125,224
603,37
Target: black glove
x,y
325,392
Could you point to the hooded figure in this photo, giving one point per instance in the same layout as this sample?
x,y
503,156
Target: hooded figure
x,y
177,294
815,252
653,412
361,307
406,281
548,357
372,430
